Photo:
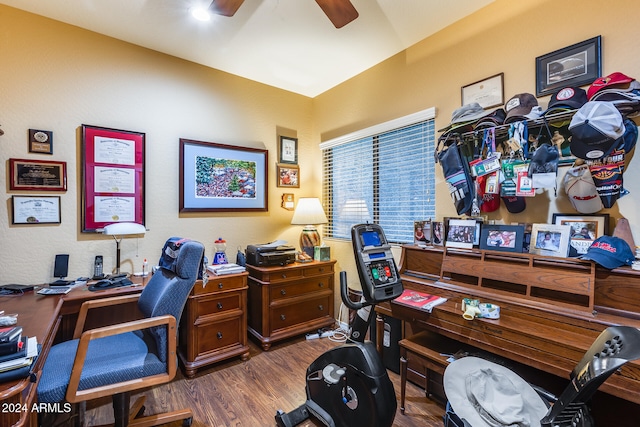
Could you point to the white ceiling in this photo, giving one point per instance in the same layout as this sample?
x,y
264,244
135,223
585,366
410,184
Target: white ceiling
x,y
289,44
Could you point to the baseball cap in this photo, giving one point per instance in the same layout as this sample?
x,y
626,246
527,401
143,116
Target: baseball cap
x,y
582,192
468,113
609,81
490,201
567,98
610,252
514,204
493,119
595,129
519,106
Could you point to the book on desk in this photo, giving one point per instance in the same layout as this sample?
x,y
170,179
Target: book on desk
x,y
17,357
419,300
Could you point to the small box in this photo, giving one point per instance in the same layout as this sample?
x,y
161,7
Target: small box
x,y
321,253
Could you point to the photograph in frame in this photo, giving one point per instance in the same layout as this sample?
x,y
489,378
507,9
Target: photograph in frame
x,y
550,240
461,233
437,233
218,177
288,176
288,150
422,232
585,229
504,238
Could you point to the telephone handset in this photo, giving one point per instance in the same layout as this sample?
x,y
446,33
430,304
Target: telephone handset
x,y
97,268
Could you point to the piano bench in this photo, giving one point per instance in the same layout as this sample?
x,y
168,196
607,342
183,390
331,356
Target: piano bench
x,y
423,358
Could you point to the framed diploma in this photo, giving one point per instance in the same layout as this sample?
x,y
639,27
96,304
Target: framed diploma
x,y
113,178
39,175
35,210
222,178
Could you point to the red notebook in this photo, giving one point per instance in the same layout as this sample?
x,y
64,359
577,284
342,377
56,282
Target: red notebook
x,y
419,300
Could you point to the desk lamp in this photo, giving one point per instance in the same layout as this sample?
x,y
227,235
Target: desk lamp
x,y
309,213
120,229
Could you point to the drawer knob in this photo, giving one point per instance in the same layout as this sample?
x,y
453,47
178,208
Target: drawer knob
x,y
284,276
283,317
220,285
219,335
320,307
219,306
320,284
321,269
283,292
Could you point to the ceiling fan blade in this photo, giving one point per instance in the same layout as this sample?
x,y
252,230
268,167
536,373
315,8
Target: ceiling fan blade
x,y
225,7
339,12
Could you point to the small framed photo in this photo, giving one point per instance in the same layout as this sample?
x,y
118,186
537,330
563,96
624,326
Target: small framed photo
x,y
550,240
437,233
505,238
35,210
461,233
575,65
422,232
584,229
40,141
288,176
288,150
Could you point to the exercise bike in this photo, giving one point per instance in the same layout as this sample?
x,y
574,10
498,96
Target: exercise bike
x,y
349,385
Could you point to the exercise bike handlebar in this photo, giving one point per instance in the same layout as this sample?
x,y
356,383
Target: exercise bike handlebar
x,y
345,296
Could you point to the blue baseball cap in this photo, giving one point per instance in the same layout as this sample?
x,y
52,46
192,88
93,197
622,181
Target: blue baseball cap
x,y
610,252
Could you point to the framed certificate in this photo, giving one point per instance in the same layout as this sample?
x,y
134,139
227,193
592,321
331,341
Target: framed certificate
x,y
35,210
113,177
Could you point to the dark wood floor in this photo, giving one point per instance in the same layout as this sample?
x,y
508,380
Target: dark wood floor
x,y
248,394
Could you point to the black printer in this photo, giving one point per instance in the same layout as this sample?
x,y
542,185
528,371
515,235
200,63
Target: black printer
x,y
270,254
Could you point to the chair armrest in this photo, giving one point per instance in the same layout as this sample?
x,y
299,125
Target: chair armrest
x,y
96,303
74,395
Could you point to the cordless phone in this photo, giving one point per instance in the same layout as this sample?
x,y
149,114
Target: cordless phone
x,y
97,268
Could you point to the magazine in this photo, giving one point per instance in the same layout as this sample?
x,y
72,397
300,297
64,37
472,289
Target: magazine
x,y
420,300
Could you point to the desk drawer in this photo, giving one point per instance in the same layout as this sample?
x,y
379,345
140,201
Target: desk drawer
x,y
219,283
215,304
287,290
318,270
216,335
286,316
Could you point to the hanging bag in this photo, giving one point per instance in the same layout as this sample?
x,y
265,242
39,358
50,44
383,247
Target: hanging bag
x,y
456,172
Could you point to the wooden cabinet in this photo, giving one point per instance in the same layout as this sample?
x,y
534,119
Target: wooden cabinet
x,y
214,322
290,300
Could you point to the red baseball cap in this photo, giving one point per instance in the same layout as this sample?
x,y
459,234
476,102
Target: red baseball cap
x,y
608,81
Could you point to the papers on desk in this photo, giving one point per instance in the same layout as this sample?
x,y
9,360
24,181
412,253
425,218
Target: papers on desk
x,y
21,360
221,269
420,300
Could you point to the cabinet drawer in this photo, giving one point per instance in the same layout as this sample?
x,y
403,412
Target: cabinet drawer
x,y
214,336
317,270
290,315
287,290
217,283
218,303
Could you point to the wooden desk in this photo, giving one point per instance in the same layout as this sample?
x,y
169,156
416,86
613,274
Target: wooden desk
x,y
49,318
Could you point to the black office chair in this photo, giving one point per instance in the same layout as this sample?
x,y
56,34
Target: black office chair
x,y
118,359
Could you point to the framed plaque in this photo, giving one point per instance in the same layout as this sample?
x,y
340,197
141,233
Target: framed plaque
x,y
40,141
40,175
113,177
35,210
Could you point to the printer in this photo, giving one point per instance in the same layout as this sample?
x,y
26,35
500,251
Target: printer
x,y
267,254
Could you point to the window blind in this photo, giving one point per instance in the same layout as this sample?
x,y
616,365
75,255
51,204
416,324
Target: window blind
x,y
384,175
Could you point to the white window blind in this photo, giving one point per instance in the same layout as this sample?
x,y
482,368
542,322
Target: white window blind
x,y
383,174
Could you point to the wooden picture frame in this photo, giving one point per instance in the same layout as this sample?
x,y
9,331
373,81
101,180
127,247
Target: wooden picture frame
x,y
576,65
488,92
288,150
222,178
288,176
113,177
585,229
550,240
37,175
504,238
33,210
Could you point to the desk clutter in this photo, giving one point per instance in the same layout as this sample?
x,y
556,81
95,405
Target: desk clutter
x,y
17,353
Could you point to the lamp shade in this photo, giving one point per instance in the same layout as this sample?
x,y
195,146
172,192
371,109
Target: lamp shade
x,y
124,228
309,211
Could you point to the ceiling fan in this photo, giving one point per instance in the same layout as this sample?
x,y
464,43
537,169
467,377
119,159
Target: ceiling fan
x,y
339,12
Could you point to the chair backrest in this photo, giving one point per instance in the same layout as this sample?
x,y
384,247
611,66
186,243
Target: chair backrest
x,y
167,291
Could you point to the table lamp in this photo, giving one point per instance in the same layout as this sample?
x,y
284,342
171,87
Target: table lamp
x,y
309,213
120,229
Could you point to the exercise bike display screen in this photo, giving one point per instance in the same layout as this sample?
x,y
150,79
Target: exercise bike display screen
x,y
371,238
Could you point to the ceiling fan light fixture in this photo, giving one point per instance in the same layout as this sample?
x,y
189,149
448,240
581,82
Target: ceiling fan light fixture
x,y
200,13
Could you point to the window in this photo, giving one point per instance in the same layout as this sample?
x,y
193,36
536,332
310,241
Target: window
x,y
383,174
